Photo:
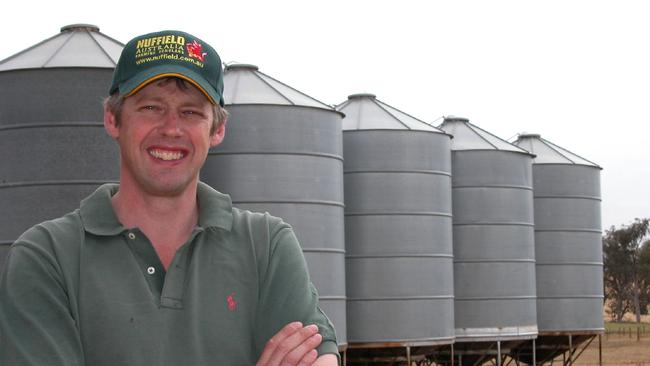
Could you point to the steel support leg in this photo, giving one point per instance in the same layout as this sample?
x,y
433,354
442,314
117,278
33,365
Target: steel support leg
x,y
498,353
408,355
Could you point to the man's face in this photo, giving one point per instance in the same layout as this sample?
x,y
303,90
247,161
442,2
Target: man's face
x,y
164,137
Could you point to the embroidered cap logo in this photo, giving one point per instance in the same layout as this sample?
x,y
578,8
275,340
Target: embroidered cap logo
x,y
195,50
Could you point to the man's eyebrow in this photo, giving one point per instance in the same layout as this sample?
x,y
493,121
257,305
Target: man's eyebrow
x,y
141,98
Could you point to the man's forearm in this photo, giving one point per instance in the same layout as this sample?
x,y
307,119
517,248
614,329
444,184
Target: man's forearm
x,y
327,360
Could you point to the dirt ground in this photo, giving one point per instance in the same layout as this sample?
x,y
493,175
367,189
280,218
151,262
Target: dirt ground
x,y
617,350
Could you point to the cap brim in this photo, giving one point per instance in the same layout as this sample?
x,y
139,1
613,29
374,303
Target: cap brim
x,y
142,79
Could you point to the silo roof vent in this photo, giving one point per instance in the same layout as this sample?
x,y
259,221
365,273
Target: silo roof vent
x,y
470,137
245,84
365,112
78,27
77,45
548,153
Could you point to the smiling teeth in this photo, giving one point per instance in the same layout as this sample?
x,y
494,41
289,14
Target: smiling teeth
x,y
166,155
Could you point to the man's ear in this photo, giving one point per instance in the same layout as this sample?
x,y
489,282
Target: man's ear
x,y
219,134
110,123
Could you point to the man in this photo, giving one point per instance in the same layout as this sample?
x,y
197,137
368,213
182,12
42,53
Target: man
x,y
161,270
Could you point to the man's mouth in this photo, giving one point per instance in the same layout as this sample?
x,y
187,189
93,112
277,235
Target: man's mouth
x,y
166,155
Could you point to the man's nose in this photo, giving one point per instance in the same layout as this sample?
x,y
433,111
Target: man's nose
x,y
171,125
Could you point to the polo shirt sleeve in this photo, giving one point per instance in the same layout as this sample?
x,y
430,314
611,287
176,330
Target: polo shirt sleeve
x,y
36,325
287,294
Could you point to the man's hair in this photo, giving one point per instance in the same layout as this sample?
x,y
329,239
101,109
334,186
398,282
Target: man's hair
x,y
115,102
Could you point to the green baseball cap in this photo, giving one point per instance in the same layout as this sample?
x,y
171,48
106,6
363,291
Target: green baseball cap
x,y
169,54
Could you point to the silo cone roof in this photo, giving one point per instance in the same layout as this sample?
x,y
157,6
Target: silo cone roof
x,y
365,112
470,137
548,153
245,84
78,45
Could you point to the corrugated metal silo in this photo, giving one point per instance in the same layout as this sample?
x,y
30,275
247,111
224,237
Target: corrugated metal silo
x,y
568,246
398,222
283,154
494,259
52,138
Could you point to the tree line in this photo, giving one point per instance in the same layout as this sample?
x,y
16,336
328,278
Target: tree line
x,y
626,259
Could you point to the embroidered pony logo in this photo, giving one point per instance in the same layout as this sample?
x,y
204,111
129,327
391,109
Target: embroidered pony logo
x,y
232,303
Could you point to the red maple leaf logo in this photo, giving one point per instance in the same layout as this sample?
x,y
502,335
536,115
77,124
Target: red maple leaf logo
x,y
195,49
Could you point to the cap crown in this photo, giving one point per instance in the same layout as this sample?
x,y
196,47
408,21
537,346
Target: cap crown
x,y
169,53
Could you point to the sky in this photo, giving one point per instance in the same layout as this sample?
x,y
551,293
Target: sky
x,y
575,72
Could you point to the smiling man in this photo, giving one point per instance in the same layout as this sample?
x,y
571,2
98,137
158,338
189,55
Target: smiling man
x,y
161,269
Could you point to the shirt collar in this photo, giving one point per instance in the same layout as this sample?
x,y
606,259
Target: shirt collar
x,y
98,216
215,208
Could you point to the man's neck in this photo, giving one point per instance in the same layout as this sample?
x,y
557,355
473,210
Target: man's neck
x,y
167,221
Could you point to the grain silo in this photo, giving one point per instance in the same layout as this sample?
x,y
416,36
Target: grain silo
x,y
283,154
493,238
568,246
51,127
398,227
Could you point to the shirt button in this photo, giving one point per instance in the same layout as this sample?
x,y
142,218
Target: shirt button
x,y
151,270
131,236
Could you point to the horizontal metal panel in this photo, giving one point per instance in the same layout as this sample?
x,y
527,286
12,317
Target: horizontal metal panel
x,y
392,235
32,204
567,214
492,334
495,313
58,153
54,94
249,178
397,193
316,226
570,280
568,246
396,150
370,278
400,321
486,280
493,242
486,205
571,314
269,129
491,168
566,180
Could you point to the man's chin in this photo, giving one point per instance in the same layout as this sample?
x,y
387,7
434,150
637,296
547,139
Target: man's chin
x,y
169,188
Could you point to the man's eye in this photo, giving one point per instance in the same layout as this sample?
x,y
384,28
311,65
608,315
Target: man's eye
x,y
192,113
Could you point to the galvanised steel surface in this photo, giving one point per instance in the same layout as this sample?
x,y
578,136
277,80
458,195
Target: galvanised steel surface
x,y
286,159
398,226
51,132
494,259
568,245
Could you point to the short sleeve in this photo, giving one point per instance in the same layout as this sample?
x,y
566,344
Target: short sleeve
x,y
287,294
36,325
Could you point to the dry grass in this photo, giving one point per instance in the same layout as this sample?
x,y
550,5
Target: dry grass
x,y
618,349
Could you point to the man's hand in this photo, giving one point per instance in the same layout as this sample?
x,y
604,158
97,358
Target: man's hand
x,y
293,345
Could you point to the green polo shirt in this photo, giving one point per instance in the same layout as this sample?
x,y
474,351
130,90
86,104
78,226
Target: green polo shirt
x,y
85,290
